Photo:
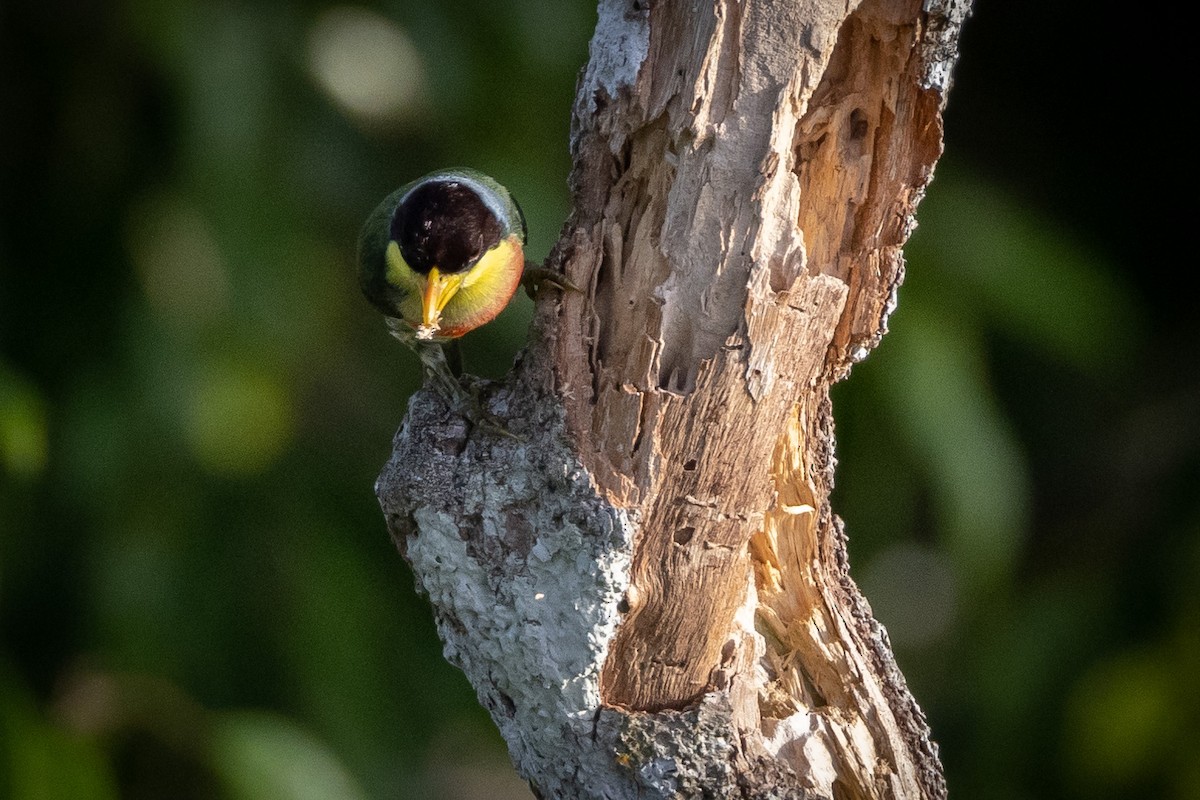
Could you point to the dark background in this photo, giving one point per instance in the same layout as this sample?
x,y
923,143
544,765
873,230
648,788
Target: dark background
x,y
198,597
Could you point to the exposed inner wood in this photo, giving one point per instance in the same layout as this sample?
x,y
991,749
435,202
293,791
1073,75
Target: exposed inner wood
x,y
739,247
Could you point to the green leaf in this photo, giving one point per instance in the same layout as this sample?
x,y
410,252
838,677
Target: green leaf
x,y
42,761
1033,279
938,387
23,430
261,756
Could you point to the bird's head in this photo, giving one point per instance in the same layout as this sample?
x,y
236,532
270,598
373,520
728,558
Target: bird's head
x,y
443,254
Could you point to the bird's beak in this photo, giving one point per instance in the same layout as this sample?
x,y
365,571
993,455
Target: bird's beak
x,y
439,289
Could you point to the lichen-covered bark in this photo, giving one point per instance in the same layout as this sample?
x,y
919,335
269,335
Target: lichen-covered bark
x,y
646,584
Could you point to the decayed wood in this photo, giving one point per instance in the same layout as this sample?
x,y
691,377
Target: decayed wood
x,y
648,586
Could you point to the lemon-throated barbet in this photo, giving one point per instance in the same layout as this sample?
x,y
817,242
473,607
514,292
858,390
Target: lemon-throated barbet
x,y
443,254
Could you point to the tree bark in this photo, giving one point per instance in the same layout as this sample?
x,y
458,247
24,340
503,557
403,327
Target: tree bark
x,y
645,583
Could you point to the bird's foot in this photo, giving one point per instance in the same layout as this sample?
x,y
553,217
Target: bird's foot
x,y
463,400
478,415
441,366
535,276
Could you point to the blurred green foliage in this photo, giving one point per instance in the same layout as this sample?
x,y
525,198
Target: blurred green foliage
x,y
198,597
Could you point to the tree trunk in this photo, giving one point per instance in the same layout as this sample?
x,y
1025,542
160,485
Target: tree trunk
x,y
645,583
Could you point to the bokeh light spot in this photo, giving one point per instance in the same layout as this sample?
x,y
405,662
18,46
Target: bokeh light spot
x,y
1119,716
260,755
24,444
177,260
914,592
239,420
366,64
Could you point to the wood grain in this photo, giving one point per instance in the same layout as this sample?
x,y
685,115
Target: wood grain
x,y
759,182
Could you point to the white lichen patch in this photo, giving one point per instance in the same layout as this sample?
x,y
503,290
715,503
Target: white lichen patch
x,y
618,48
525,570
944,19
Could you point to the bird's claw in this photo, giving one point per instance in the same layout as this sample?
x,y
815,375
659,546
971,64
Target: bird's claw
x,y
479,416
465,401
534,276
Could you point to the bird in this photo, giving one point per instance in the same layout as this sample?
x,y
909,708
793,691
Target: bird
x,y
441,256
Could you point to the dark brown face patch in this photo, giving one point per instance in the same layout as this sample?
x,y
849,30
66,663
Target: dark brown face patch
x,y
444,224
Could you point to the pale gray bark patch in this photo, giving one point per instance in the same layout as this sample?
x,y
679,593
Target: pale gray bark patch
x,y
940,44
525,569
618,48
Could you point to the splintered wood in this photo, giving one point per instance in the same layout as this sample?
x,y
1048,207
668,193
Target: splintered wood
x,y
738,237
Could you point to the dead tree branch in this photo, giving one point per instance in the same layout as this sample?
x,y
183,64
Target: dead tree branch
x,y
647,585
